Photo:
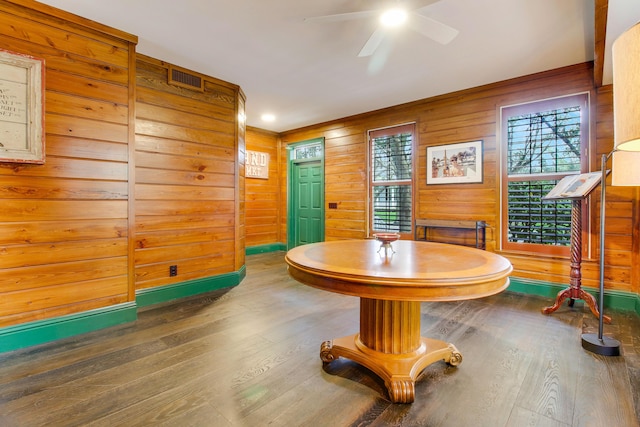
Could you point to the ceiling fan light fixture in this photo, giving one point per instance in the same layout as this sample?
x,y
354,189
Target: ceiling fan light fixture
x,y
393,17
268,117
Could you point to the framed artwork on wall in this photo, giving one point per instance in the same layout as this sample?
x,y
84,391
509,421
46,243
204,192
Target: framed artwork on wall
x,y
459,163
21,108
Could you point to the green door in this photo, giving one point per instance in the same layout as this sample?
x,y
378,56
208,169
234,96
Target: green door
x,y
308,205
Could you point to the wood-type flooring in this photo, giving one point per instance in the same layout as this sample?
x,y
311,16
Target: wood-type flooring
x,y
249,356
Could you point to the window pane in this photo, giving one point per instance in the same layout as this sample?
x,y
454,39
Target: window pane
x,y
391,157
392,208
391,180
545,142
533,221
308,151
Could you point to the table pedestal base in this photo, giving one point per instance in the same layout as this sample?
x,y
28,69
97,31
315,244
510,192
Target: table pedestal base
x,y
390,345
399,372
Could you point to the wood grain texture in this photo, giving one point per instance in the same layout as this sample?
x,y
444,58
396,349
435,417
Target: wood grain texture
x,y
187,182
165,164
472,115
262,197
64,224
249,356
416,271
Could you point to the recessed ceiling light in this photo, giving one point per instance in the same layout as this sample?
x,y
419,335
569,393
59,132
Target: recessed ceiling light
x,y
393,17
268,117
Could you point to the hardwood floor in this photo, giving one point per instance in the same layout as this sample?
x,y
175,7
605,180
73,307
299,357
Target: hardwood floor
x,y
250,357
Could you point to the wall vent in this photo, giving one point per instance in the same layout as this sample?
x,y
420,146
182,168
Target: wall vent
x,y
183,78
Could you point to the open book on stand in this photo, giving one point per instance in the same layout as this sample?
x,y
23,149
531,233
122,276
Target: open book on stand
x,y
575,186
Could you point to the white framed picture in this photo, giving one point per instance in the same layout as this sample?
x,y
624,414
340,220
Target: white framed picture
x,y
21,108
458,163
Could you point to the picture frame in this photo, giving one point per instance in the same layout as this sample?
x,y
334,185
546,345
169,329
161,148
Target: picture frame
x,y
458,163
21,108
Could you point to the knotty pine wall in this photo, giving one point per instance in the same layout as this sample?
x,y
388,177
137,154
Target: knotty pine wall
x,y
263,198
241,183
466,116
64,225
187,180
139,175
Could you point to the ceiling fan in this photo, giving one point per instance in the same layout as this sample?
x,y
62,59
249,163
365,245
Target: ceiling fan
x,y
395,14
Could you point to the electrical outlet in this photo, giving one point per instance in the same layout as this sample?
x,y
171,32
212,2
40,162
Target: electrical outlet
x,y
173,270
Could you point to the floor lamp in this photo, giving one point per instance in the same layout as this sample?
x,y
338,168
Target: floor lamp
x,y
625,163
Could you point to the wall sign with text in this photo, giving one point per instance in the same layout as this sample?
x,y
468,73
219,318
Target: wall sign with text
x,y
257,165
21,108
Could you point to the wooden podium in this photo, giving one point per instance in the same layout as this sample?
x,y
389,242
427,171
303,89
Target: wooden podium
x,y
575,188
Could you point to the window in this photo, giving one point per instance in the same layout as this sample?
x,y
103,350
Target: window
x,y
391,166
543,142
307,151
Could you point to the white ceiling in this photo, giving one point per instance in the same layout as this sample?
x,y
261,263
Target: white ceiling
x,y
309,72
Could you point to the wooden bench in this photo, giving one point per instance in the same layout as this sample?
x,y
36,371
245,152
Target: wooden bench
x,y
456,232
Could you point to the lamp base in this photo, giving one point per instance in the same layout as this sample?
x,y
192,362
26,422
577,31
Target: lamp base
x,y
604,347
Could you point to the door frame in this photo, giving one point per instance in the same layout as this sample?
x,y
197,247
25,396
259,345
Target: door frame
x,y
291,162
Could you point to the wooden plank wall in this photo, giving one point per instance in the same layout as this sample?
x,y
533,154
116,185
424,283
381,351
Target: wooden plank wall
x,y
240,181
188,192
64,239
139,174
466,116
622,221
263,197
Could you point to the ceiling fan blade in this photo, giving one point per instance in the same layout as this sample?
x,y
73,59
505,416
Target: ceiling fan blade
x,y
372,44
433,29
417,4
342,16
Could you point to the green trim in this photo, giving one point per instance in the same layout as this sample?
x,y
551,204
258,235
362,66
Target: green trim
x,y
535,287
146,297
42,331
617,300
291,208
261,249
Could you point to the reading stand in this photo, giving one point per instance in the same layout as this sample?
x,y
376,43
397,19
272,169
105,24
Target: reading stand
x,y
575,188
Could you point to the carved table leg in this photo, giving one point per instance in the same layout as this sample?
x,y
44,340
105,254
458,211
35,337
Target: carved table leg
x,y
390,345
325,352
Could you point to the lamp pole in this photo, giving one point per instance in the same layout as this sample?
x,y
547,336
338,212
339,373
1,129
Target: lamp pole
x,y
598,343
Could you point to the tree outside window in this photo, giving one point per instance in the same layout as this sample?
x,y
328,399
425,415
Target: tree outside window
x,y
544,141
391,165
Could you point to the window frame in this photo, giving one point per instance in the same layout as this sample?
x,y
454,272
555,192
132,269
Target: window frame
x,y
581,99
390,131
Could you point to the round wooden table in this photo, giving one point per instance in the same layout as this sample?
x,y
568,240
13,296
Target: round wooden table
x,y
391,285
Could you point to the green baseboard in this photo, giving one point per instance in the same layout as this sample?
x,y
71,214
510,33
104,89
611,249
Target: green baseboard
x,y
616,300
43,331
261,249
151,296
